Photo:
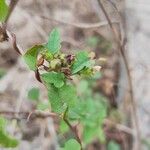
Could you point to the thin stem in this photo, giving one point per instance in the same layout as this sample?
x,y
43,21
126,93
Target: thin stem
x,y
28,115
12,5
79,24
121,50
73,128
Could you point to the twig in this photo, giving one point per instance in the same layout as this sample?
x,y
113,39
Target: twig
x,y
6,35
12,5
81,25
25,115
73,128
121,50
11,36
120,127
114,6
39,114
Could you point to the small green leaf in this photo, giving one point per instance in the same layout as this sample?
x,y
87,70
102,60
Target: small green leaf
x,y
101,134
92,112
63,127
82,60
30,56
72,144
3,10
112,145
34,94
83,86
5,139
63,97
55,100
54,78
54,42
68,94
89,134
3,123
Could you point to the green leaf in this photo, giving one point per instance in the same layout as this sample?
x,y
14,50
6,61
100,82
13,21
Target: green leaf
x,y
112,145
3,123
87,72
63,127
30,56
83,86
89,134
82,60
61,98
5,139
54,78
101,134
3,10
54,42
72,144
91,111
34,94
92,132
55,100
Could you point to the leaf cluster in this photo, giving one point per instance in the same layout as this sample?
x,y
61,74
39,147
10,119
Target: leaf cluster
x,y
56,70
90,111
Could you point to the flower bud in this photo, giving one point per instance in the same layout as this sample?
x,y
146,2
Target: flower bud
x,y
97,68
40,61
70,58
92,55
55,63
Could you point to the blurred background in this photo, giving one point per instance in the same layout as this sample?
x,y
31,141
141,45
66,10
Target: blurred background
x,y
84,26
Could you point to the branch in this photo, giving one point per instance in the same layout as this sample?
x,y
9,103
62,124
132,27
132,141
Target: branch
x,y
27,115
81,25
121,50
73,128
12,5
6,35
120,127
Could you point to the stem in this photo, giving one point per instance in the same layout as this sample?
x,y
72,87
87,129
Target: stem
x,y
121,50
28,115
12,5
73,128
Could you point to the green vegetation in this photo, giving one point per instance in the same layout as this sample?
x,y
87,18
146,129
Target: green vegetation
x,y
56,72
5,139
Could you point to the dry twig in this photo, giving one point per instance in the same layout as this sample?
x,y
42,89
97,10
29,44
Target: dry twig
x,y
27,115
121,50
12,5
73,128
81,25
